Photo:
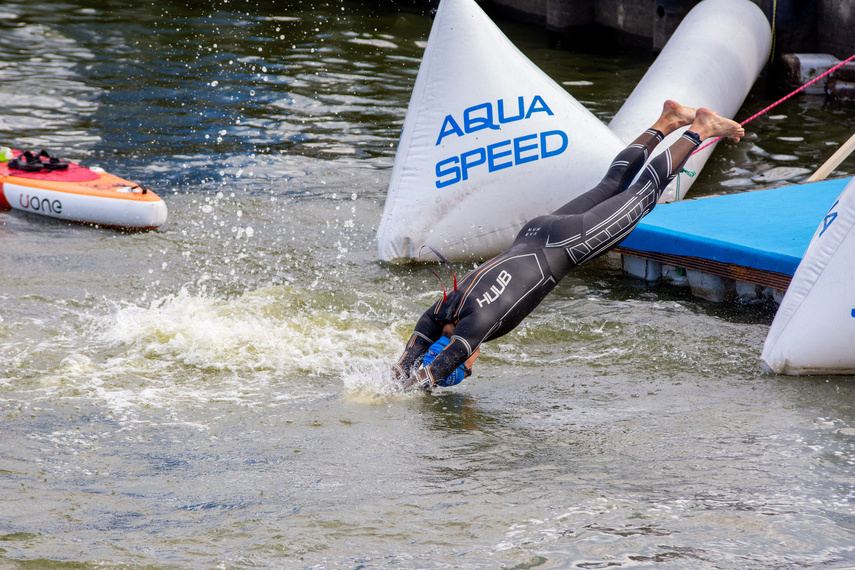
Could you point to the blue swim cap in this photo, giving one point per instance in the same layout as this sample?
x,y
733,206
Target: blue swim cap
x,y
457,376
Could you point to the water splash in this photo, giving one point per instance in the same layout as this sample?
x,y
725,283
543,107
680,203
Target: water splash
x,y
373,384
283,329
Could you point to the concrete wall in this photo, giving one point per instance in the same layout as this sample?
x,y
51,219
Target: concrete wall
x,y
625,16
836,27
643,23
821,26
555,15
534,10
562,14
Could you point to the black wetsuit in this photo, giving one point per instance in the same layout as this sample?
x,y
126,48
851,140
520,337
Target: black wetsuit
x,y
495,297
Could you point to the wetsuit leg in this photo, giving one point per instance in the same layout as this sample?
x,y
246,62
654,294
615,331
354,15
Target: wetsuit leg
x,y
608,223
622,170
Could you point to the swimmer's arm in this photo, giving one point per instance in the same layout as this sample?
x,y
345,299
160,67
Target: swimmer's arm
x,y
471,360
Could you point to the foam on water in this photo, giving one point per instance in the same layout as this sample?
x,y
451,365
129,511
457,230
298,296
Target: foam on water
x,y
264,347
284,330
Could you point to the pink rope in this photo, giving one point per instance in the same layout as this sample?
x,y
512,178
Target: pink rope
x,y
782,99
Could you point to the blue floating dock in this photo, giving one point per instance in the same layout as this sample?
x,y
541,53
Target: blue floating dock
x,y
757,237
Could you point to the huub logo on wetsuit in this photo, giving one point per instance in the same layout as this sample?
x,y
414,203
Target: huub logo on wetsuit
x,y
502,280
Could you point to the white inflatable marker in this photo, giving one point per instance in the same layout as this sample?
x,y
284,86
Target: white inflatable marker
x,y
814,329
489,142
712,60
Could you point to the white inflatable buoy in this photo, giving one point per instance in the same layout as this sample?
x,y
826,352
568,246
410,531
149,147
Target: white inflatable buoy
x,y
489,142
712,60
814,329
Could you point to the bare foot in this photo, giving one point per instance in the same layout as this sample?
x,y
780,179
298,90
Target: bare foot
x,y
673,117
708,124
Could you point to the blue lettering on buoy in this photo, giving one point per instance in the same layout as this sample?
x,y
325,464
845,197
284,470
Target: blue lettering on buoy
x,y
520,148
520,111
481,116
466,164
545,152
493,155
829,218
449,127
445,168
538,105
474,122
501,155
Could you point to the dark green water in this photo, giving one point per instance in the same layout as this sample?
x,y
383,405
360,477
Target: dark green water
x,y
212,394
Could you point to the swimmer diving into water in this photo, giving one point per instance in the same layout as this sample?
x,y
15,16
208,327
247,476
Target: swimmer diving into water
x,y
496,296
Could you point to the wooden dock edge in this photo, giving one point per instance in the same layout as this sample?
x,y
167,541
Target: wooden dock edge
x,y
711,280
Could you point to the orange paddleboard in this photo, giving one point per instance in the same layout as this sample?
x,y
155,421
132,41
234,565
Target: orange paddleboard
x,y
80,194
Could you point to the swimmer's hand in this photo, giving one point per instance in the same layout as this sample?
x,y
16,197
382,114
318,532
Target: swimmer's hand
x,y
419,380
